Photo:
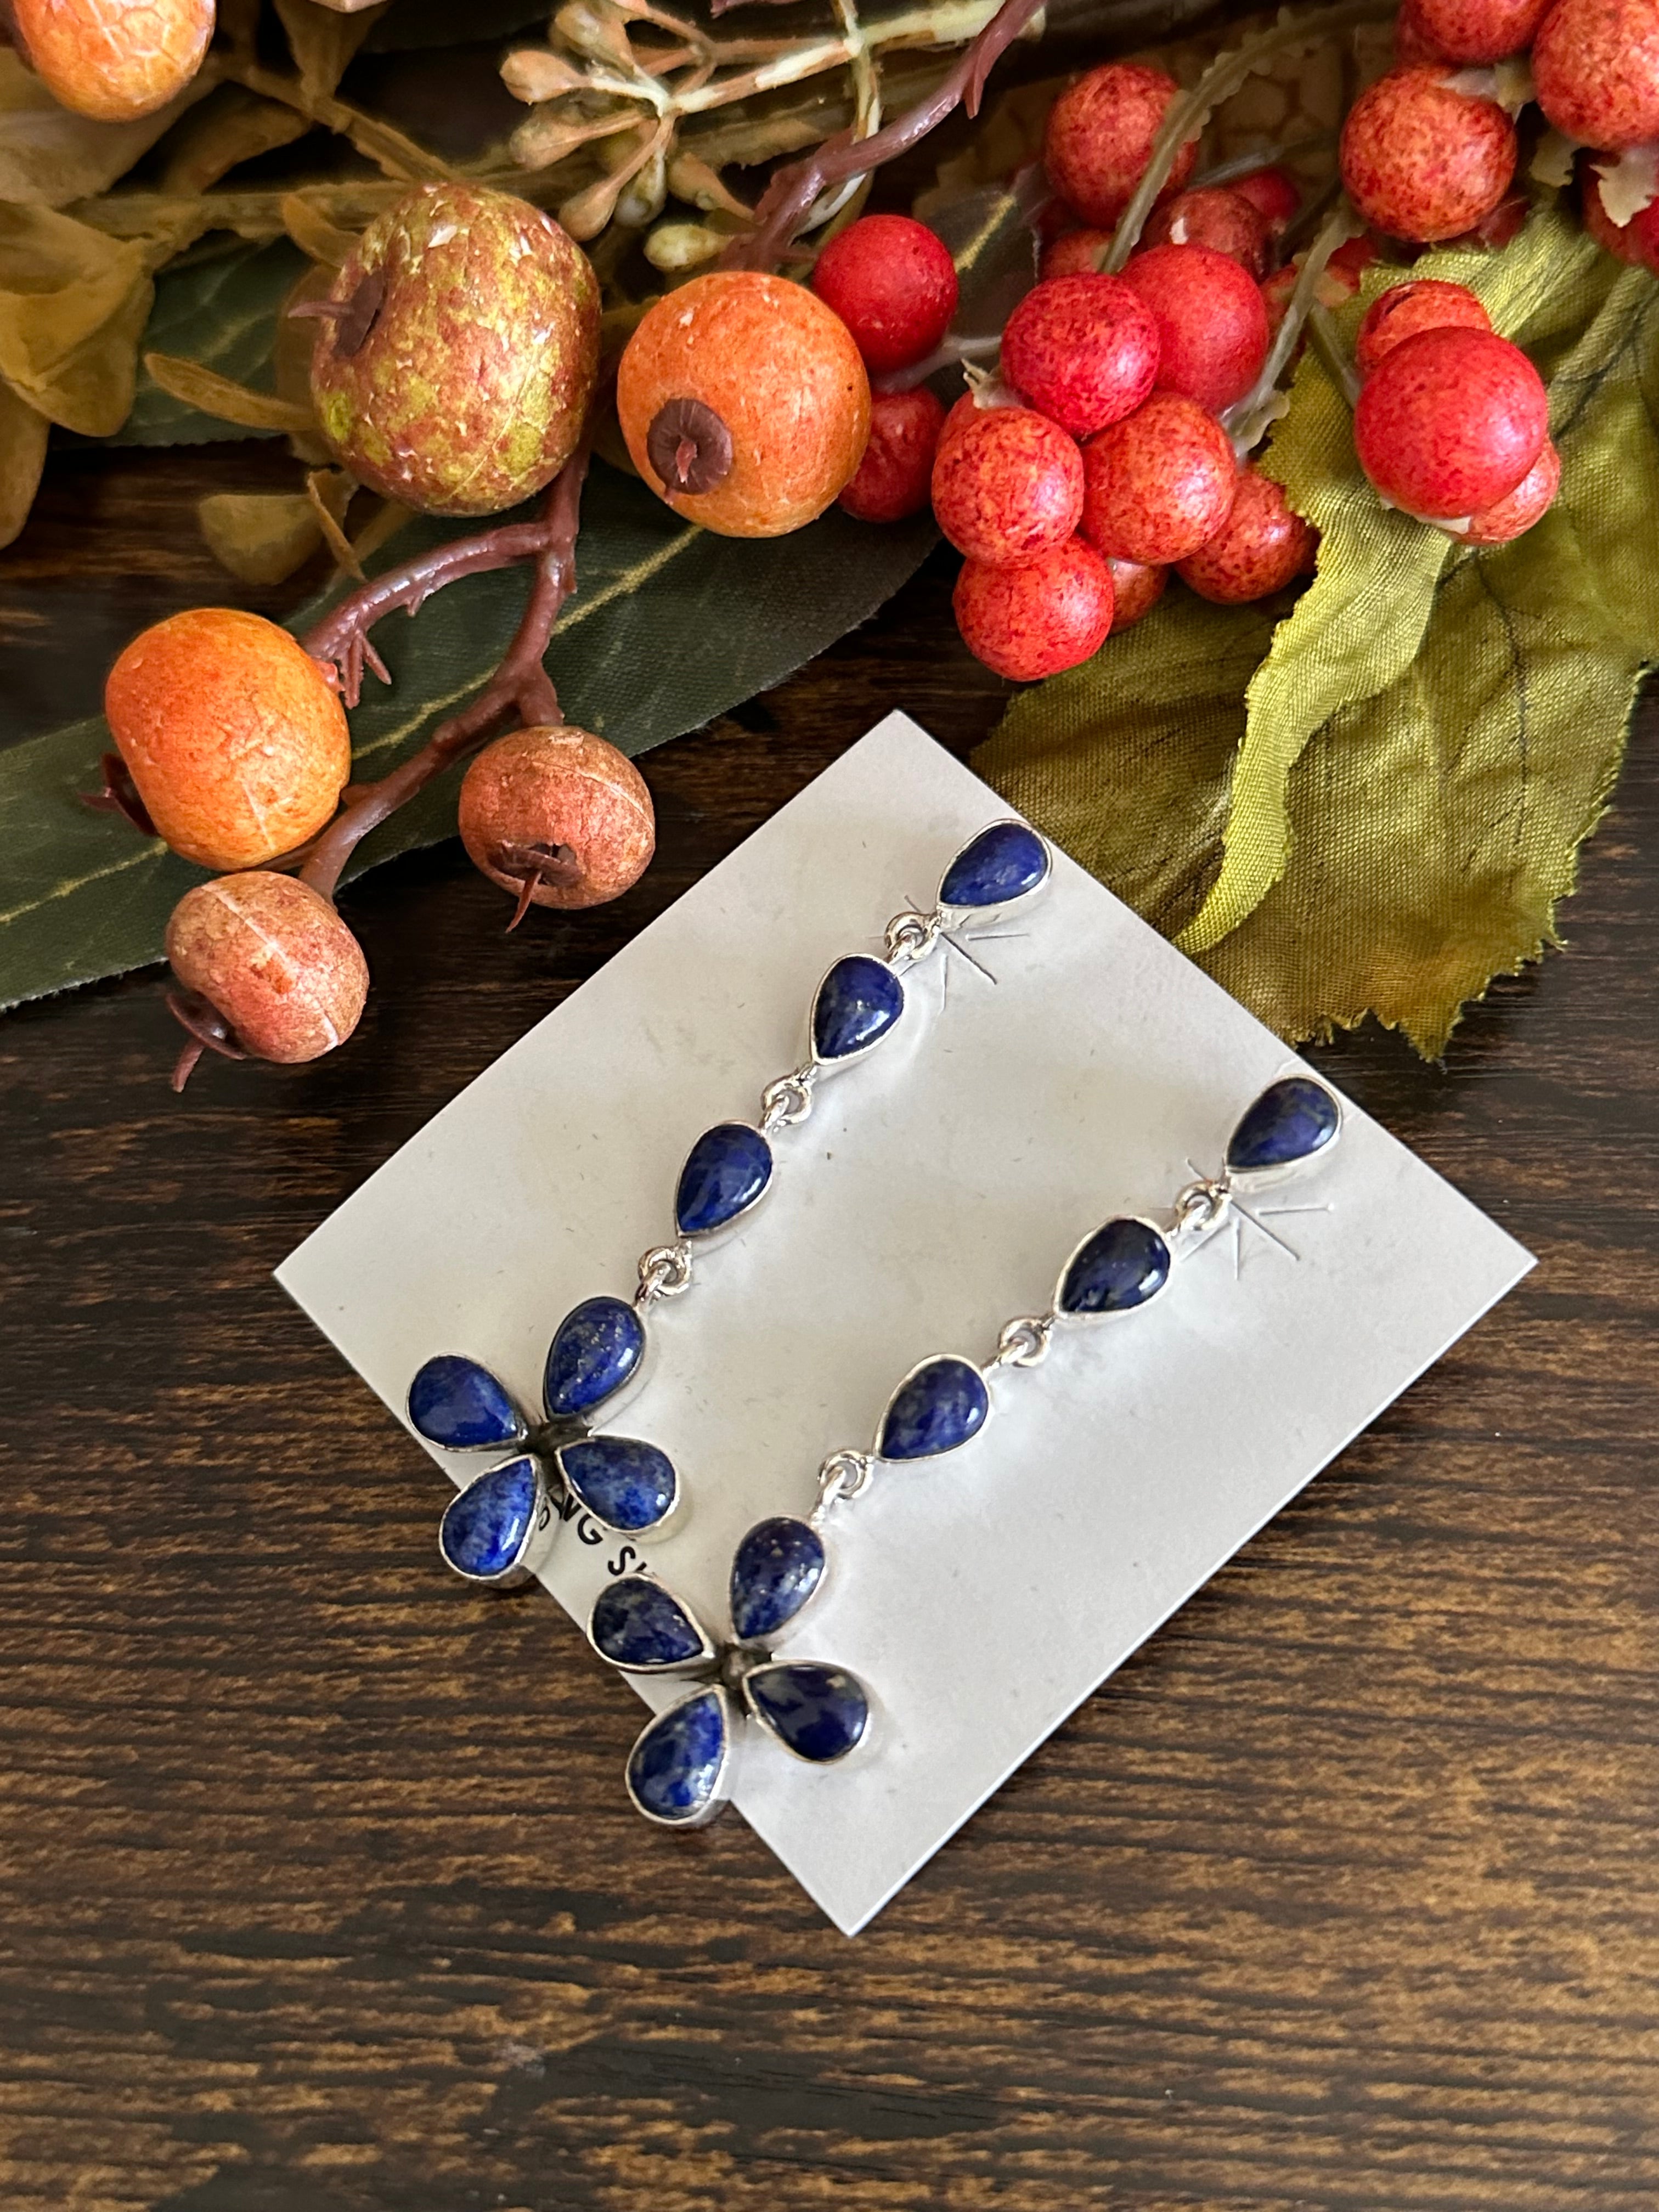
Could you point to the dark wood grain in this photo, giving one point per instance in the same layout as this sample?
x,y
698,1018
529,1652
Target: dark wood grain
x,y
317,1892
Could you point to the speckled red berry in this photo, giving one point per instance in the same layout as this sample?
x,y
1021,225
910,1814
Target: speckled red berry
x,y
1636,241
274,960
1262,546
1007,485
1157,485
1211,324
1595,66
893,283
1424,303
561,812
1039,618
1450,422
1077,253
1423,162
1099,138
1136,590
1476,30
1273,193
1528,503
1217,217
1412,44
1083,349
895,477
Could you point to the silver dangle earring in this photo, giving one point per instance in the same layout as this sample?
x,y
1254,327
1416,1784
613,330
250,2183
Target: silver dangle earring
x,y
559,1464
681,1769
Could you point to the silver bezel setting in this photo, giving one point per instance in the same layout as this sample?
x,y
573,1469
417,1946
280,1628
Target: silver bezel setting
x,y
958,917
760,1720
932,1360
720,1795
507,1447
763,1643
1251,1179
1069,1316
589,1417
823,1068
706,1657
674,1518
518,1572
704,1239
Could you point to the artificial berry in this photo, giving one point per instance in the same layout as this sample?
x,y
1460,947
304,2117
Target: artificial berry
x,y
113,59
1413,46
1083,349
1216,217
1007,485
1211,324
1450,421
238,746
744,403
1274,195
273,960
1136,590
1099,138
1260,548
1077,253
893,479
1423,304
1276,292
1039,618
893,283
1156,485
1595,67
1636,241
1527,504
1474,30
1422,161
557,818
1340,279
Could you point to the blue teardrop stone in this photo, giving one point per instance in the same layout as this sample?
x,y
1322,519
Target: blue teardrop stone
x,y
484,1526
819,1711
934,1410
637,1623
774,1570
1003,862
858,1002
598,1345
674,1768
455,1402
1121,1266
724,1172
1292,1120
626,1483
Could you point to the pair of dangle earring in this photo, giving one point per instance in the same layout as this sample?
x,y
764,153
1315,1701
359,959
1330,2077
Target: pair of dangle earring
x,y
681,1769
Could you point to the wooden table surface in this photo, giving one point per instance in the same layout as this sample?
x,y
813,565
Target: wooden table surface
x,y
317,1892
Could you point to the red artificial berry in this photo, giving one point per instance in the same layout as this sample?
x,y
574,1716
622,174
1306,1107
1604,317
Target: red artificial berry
x,y
1423,304
1136,590
1412,44
1276,292
1530,500
1258,548
557,818
1008,485
1475,30
893,479
1422,161
1595,65
273,960
1099,138
1636,241
1077,253
1450,421
893,283
1211,325
1216,217
1083,349
1274,194
1034,620
1156,486
1339,278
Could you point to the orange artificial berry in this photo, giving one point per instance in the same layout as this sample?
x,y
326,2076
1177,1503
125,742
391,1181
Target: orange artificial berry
x,y
557,818
744,403
113,59
273,960
238,746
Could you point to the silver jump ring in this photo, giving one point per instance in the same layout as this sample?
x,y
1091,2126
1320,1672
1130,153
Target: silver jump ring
x,y
1201,1205
844,1475
664,1272
787,1101
911,937
1024,1342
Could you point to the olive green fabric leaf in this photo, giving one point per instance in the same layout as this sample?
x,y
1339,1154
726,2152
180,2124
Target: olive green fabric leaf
x,y
218,310
670,627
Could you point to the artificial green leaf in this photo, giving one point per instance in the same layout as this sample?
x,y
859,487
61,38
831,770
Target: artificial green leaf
x,y
220,312
670,627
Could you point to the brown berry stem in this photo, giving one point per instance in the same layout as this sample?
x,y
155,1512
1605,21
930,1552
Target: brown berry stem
x,y
119,795
520,685
208,1032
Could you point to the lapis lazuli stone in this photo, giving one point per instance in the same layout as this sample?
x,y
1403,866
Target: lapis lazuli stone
x,y
774,1570
455,1402
637,1624
724,1172
674,1768
819,1711
1292,1120
1003,862
858,1002
484,1528
1121,1266
598,1345
624,1482
939,1407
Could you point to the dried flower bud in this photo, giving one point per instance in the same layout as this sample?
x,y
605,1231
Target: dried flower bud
x,y
533,74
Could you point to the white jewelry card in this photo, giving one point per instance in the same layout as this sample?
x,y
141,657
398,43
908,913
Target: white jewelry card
x,y
934,1193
